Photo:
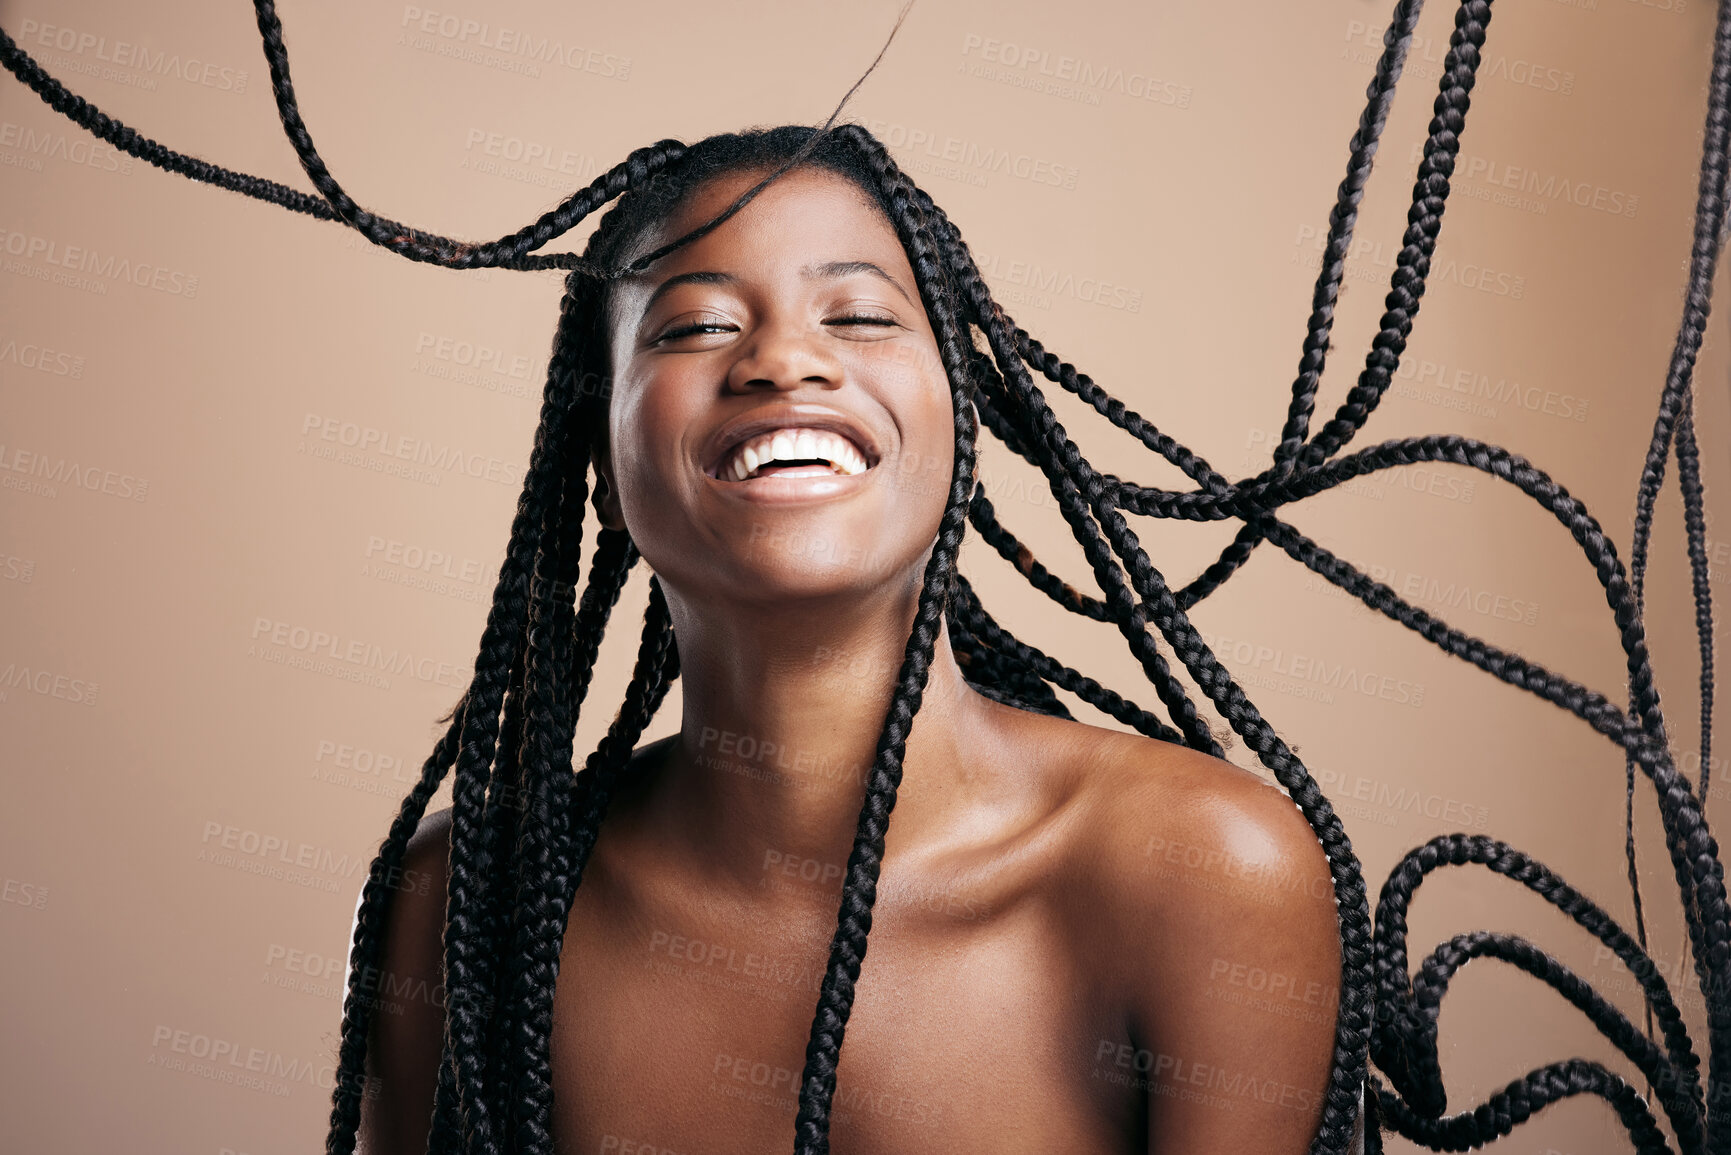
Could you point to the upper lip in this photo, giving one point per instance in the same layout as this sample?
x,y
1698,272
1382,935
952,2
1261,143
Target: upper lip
x,y
804,416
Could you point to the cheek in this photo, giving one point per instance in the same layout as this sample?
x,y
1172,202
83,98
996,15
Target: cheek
x,y
645,423
929,451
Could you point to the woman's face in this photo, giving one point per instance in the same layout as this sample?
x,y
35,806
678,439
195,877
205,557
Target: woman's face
x,y
799,314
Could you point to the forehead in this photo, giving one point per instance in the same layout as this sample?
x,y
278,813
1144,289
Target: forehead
x,y
805,216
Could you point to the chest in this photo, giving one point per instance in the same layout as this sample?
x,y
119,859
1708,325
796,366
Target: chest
x,y
682,1030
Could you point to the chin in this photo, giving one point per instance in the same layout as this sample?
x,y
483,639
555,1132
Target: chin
x,y
786,569
826,573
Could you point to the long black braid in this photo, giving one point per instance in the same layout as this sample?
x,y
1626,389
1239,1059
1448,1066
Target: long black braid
x,y
523,824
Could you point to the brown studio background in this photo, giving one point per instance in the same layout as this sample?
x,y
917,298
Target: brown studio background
x,y
199,397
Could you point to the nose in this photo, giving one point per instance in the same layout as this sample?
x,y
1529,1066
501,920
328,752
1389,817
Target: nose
x,y
783,355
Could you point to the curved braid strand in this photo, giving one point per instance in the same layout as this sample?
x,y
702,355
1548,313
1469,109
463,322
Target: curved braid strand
x,y
1063,463
104,127
555,692
1524,1098
1700,577
367,947
547,881
1405,1043
853,923
1424,224
470,925
1122,608
656,670
967,608
1679,1092
413,243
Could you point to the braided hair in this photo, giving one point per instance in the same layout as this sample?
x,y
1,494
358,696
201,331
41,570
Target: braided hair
x,y
524,822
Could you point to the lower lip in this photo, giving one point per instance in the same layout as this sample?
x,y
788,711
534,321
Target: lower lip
x,y
782,489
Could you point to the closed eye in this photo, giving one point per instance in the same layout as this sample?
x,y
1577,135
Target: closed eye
x,y
862,319
709,326
693,328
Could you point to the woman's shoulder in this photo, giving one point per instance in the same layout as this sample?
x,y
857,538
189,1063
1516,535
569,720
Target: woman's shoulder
x,y
405,989
1201,909
1158,833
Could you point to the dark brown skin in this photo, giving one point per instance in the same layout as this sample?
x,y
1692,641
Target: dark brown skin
x,y
1084,941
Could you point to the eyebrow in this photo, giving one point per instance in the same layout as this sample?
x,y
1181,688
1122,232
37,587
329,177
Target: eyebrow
x,y
849,268
827,269
701,277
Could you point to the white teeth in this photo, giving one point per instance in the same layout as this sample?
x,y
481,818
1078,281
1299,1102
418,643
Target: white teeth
x,y
794,445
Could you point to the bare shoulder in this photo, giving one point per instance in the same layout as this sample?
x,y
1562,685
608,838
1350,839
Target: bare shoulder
x,y
1216,882
407,995
1211,923
414,924
1179,835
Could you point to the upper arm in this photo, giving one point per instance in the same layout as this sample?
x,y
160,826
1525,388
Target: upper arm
x,y
408,1019
1229,962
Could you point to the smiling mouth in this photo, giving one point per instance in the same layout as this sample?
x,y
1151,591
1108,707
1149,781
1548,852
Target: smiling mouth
x,y
792,452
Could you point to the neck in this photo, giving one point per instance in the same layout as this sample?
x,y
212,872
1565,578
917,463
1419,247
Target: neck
x,y
783,709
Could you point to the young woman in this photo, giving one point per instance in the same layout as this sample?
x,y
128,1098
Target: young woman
x,y
1060,906
1081,940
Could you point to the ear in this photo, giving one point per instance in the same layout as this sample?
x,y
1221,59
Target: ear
x,y
979,437
605,496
